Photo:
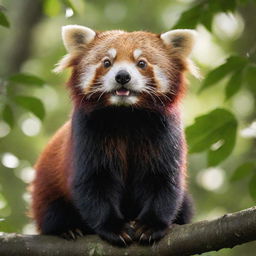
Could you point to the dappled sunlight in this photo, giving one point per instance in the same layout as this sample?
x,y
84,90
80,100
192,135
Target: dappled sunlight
x,y
9,160
244,104
29,229
170,15
4,129
27,197
211,179
30,126
27,174
250,131
207,51
69,12
228,25
3,202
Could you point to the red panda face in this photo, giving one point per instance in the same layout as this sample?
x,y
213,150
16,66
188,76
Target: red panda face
x,y
138,69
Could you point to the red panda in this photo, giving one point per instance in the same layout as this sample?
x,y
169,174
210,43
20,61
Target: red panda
x,y
118,167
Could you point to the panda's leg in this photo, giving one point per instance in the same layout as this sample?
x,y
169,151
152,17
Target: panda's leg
x,y
186,211
61,218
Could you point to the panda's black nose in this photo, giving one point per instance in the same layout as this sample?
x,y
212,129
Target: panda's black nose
x,y
123,77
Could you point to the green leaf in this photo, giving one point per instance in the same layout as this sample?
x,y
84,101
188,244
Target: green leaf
x,y
52,7
206,19
250,77
227,143
228,5
234,84
252,187
243,171
8,115
32,104
244,1
3,20
204,13
26,79
214,6
218,126
232,64
189,18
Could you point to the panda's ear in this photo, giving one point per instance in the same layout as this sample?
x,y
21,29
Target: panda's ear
x,y
182,40
74,37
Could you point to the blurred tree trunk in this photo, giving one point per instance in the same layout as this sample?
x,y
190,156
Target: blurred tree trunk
x,y
28,14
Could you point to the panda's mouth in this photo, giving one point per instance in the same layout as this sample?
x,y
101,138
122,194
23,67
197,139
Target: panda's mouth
x,y
123,92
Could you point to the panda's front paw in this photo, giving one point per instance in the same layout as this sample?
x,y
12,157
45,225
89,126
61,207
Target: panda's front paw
x,y
123,238
72,234
146,234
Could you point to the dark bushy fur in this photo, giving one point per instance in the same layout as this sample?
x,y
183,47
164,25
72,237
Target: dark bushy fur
x,y
127,166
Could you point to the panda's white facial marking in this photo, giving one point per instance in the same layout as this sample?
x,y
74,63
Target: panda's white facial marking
x,y
161,79
123,94
137,53
117,100
88,76
137,82
89,73
129,92
112,53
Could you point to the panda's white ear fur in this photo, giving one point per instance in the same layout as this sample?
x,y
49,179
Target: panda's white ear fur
x,y
75,36
182,40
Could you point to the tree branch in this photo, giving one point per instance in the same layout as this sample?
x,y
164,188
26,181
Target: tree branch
x,y
224,232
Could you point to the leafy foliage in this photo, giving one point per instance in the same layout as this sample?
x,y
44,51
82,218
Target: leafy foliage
x,y
247,170
250,77
243,171
8,115
215,133
252,187
202,12
234,84
32,104
3,20
233,67
26,79
240,70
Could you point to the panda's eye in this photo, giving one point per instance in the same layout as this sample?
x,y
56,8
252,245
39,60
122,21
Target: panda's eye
x,y
106,63
142,64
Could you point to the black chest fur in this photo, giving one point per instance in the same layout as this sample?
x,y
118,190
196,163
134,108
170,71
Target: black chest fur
x,y
126,148
125,140
127,166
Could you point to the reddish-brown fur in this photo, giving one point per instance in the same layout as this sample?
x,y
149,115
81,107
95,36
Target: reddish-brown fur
x,y
54,165
53,170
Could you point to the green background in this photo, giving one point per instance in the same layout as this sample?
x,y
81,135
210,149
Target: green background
x,y
218,111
